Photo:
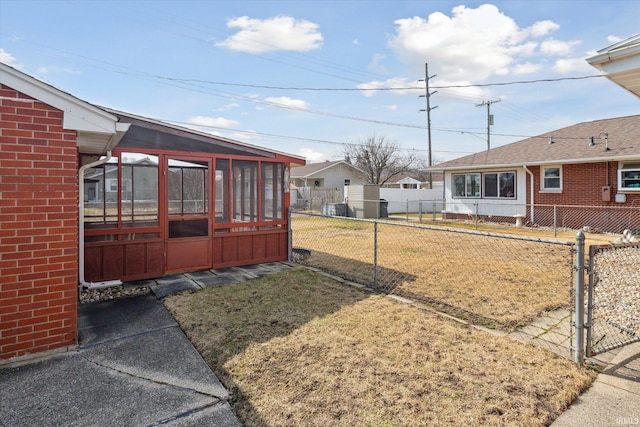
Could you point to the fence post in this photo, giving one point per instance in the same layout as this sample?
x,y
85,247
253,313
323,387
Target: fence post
x,y
419,210
555,222
434,209
375,256
590,285
477,204
579,322
289,236
407,210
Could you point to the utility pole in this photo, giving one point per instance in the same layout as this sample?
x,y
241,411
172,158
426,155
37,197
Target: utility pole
x,y
489,119
427,95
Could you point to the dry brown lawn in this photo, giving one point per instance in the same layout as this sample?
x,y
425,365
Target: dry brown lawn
x,y
498,282
299,349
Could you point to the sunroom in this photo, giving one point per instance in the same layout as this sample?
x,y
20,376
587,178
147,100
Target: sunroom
x,y
170,199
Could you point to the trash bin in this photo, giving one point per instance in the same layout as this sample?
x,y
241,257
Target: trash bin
x,y
384,208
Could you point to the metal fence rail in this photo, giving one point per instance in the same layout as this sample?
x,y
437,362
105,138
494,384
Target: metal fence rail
x,y
592,219
613,302
490,279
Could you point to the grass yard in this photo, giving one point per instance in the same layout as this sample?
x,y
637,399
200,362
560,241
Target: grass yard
x,y
298,348
497,282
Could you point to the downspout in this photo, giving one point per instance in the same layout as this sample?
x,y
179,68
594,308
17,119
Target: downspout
x,y
83,283
530,191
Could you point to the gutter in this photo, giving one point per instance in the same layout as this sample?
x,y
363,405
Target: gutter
x,y
530,190
83,283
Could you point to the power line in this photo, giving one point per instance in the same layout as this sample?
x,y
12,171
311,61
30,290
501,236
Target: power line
x,y
329,89
314,140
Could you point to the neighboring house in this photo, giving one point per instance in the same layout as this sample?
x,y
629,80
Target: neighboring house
x,y
593,163
410,181
93,196
327,175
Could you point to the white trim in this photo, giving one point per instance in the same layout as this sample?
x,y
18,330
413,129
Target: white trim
x,y
98,131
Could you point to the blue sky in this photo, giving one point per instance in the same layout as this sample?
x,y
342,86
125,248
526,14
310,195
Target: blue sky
x,y
306,77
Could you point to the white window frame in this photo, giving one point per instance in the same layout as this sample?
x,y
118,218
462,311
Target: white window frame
x,y
625,168
543,188
498,181
466,195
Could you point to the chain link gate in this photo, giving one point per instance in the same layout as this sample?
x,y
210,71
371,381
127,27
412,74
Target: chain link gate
x,y
613,297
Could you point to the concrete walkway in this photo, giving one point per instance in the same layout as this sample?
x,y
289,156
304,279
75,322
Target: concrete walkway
x,y
134,366
614,397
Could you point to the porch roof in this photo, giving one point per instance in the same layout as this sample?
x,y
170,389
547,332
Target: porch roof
x,y
145,133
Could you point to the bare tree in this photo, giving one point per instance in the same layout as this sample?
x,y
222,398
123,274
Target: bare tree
x,y
379,158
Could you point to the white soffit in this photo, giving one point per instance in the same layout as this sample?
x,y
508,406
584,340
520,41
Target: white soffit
x,y
97,130
621,63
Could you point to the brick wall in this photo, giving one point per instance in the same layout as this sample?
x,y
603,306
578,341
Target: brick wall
x,y
582,185
38,228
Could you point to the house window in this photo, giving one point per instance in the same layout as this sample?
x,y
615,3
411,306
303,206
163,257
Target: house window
x,y
347,181
466,185
112,185
499,184
552,178
629,177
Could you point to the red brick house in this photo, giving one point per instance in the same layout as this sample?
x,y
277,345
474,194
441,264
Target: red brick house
x,y
588,164
593,163
93,197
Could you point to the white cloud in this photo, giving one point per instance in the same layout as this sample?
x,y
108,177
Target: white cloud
x,y
557,48
218,122
474,44
285,101
614,39
277,33
356,42
392,107
572,65
404,87
7,58
311,155
542,28
229,106
376,63
401,85
245,136
526,68
49,70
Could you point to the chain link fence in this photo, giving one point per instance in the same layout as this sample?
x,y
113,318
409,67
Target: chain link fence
x,y
482,215
496,280
613,302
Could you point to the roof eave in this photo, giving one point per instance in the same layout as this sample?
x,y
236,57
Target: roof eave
x,y
96,129
536,163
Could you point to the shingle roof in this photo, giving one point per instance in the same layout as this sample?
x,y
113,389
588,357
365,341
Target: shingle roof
x,y
569,145
312,168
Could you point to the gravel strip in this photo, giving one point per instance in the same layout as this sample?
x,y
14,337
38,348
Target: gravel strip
x,y
113,292
617,293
